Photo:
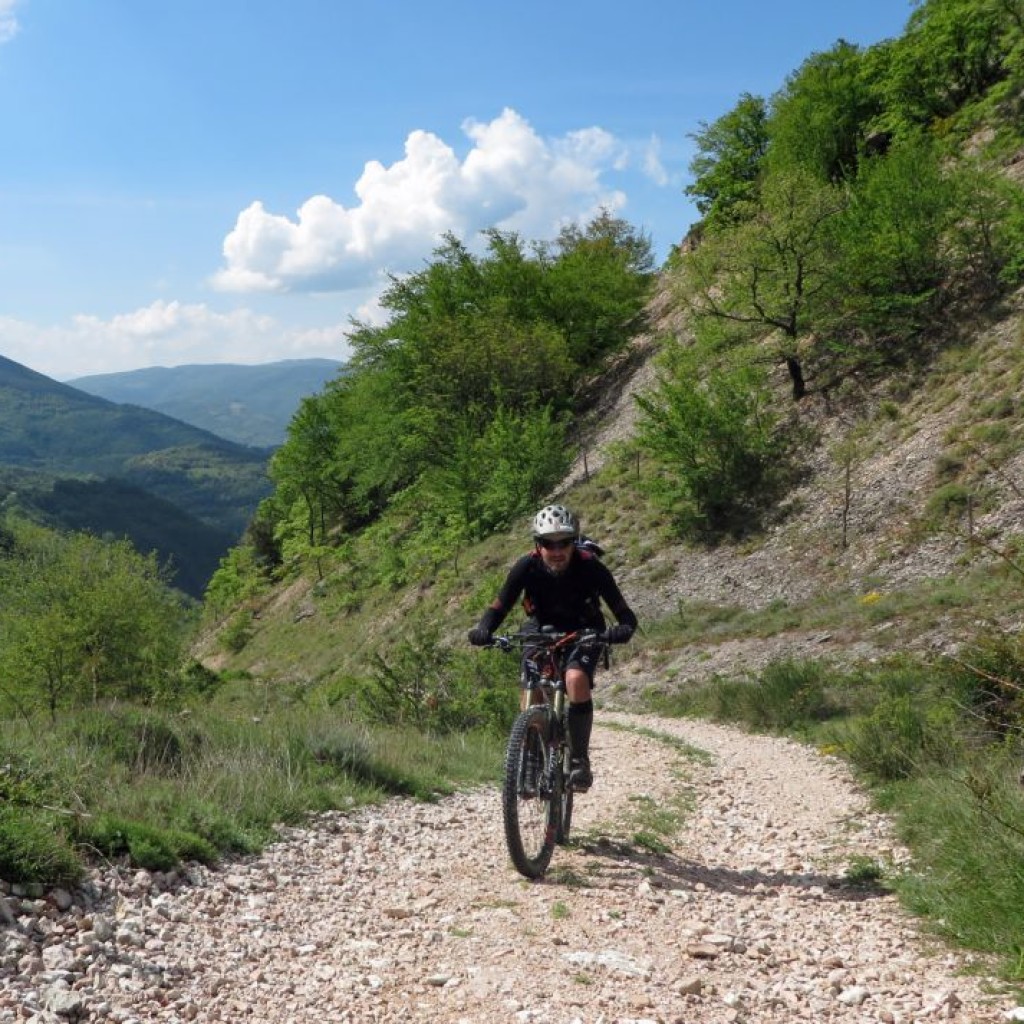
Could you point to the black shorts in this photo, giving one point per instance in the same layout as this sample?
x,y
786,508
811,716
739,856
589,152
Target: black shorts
x,y
585,660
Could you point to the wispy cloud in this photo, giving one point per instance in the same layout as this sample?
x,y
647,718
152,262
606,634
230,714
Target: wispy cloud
x,y
8,20
163,334
511,178
652,165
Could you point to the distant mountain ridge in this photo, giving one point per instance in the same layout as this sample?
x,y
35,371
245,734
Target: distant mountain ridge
x,y
250,405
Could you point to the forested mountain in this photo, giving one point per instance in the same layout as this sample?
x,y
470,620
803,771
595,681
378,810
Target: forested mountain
x,y
251,405
186,547
77,462
58,430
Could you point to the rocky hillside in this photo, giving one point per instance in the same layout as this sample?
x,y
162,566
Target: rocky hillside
x,y
866,533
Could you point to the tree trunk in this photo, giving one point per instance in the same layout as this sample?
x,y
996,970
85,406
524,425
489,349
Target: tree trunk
x,y
796,374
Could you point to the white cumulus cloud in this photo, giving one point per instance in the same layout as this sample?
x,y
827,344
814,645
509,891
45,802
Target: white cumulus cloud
x,y
511,178
164,334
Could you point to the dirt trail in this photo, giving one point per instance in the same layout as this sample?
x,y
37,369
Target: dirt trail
x,y
409,912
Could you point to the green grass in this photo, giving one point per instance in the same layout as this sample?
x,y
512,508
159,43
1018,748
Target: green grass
x,y
35,848
157,788
864,871
968,879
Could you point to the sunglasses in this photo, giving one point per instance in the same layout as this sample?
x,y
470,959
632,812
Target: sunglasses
x,y
555,545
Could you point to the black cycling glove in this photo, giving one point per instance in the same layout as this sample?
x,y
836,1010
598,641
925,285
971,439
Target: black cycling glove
x,y
479,636
620,633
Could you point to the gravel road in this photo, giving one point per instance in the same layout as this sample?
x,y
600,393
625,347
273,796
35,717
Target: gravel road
x,y
411,912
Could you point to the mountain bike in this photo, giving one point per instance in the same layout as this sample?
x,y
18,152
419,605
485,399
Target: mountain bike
x,y
536,793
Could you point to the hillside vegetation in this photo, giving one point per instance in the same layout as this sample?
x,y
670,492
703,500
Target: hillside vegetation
x,y
190,550
814,502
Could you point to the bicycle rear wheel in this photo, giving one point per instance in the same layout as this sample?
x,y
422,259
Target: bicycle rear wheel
x,y
530,810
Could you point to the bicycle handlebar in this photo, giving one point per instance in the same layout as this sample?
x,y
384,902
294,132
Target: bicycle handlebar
x,y
546,639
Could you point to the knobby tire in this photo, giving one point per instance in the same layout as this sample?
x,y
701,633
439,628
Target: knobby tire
x,y
532,823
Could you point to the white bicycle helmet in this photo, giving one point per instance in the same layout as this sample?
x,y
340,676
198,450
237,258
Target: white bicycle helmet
x,y
556,522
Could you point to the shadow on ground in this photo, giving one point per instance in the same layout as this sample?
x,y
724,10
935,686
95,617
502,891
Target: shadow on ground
x,y
609,857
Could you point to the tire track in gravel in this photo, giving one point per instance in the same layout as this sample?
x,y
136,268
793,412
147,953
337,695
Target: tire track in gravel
x,y
410,912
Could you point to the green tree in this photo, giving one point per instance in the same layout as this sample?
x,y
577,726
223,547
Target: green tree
x,y
472,345
83,620
721,454
952,52
597,286
820,119
986,238
301,468
490,476
890,244
765,276
729,161
467,332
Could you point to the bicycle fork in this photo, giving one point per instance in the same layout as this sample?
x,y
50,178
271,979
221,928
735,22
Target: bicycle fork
x,y
560,740
558,763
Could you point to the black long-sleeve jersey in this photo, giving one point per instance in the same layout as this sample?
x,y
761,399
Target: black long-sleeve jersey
x,y
567,601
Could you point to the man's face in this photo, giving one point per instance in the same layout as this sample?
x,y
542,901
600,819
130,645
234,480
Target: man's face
x,y
556,552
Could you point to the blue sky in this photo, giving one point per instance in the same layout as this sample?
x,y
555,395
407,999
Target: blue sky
x,y
208,181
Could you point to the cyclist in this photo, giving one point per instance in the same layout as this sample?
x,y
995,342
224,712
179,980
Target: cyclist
x,y
563,584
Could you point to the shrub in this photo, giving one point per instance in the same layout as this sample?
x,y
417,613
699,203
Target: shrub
x,y
22,785
418,681
987,681
726,456
949,501
901,735
238,631
195,679
789,693
351,756
146,846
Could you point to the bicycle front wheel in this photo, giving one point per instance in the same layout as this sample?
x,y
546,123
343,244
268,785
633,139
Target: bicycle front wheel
x,y
531,811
